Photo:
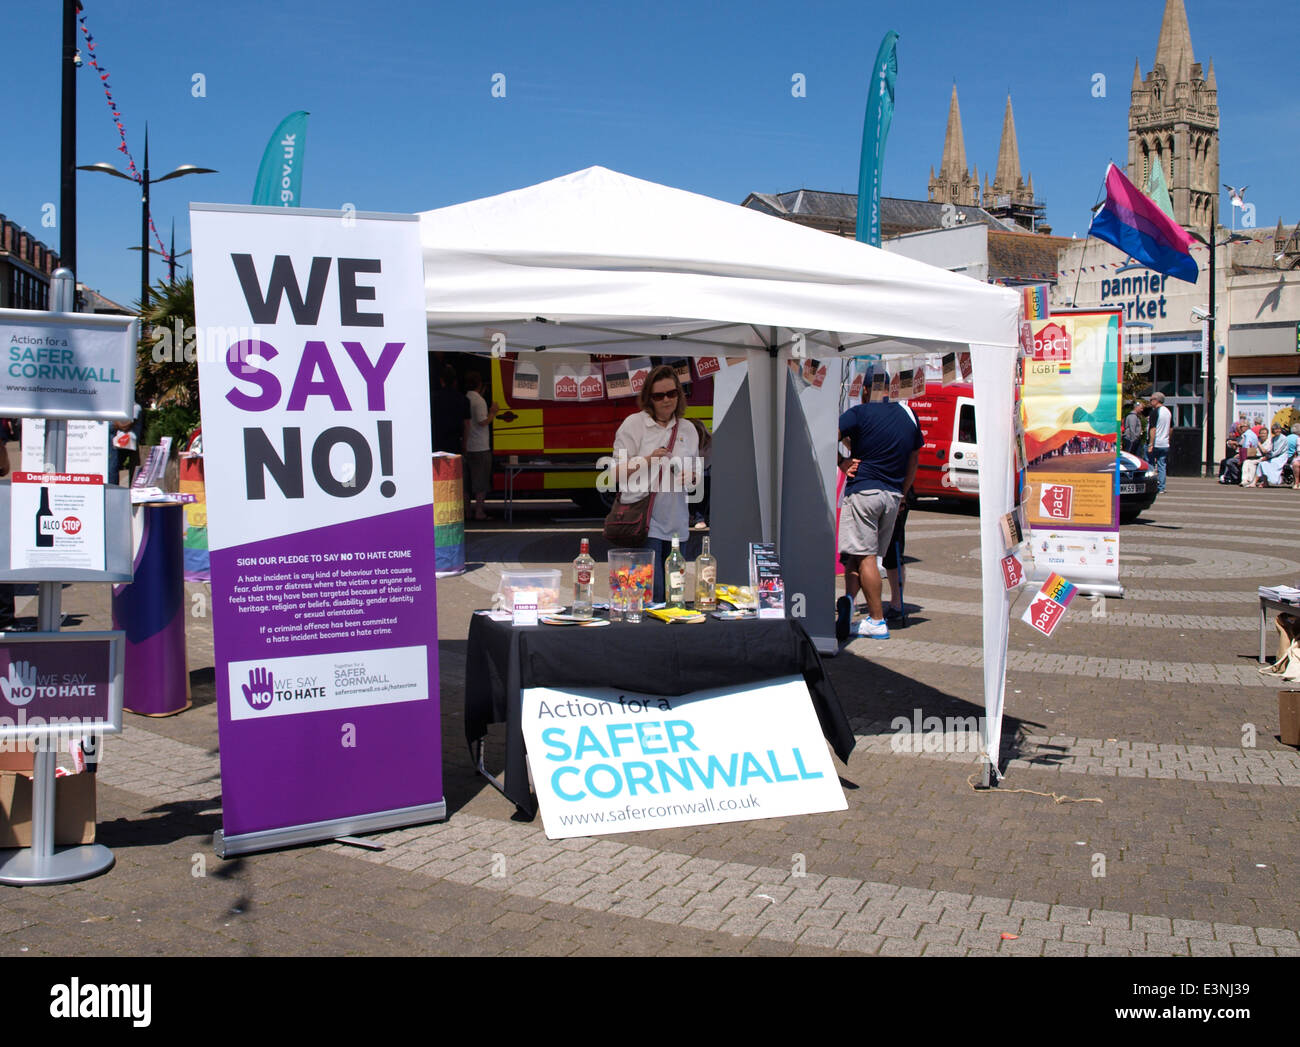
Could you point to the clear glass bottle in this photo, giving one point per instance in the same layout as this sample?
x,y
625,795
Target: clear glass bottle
x,y
706,580
584,572
675,577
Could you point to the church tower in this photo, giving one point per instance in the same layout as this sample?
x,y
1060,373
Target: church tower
x,y
955,184
1174,121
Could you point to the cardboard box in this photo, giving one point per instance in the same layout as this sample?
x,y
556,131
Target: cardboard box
x,y
17,757
74,810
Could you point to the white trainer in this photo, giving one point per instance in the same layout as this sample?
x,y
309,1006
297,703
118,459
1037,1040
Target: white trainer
x,y
872,629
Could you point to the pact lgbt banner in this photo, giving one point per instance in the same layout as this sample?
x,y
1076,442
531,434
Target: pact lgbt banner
x,y
1071,397
320,507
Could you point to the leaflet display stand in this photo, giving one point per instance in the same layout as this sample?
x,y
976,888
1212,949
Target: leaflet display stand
x,y
109,349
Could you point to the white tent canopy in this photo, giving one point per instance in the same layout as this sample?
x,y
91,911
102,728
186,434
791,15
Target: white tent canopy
x,y
600,262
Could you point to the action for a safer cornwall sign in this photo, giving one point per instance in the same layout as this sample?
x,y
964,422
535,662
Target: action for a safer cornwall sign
x,y
608,761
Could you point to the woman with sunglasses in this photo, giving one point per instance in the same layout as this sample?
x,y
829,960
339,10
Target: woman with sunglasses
x,y
662,453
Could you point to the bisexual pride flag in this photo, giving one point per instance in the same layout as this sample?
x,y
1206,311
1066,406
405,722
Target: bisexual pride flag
x,y
1133,222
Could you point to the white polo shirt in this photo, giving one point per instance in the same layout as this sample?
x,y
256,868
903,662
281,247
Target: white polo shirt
x,y
637,438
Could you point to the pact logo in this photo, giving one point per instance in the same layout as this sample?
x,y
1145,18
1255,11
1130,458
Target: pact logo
x,y
1052,345
1056,501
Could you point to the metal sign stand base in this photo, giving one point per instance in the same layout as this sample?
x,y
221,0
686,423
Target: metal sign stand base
x,y
26,868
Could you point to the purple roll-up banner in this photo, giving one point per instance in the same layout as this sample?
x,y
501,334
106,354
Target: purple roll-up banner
x,y
314,384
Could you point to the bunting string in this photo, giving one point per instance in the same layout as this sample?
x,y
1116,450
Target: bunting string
x,y
116,114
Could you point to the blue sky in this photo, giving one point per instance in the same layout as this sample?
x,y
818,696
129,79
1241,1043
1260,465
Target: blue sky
x,y
694,96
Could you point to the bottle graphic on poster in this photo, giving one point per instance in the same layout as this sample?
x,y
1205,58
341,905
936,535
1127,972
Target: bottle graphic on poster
x,y
675,577
44,531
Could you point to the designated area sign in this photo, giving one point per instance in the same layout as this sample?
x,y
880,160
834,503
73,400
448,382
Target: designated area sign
x,y
606,761
56,520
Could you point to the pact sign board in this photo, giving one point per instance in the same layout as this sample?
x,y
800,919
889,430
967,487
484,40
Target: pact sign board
x,y
67,365
320,521
607,761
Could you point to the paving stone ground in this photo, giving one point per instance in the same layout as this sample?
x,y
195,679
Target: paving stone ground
x,y
1153,707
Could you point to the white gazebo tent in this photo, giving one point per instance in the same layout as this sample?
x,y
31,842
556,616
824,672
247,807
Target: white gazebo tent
x,y
599,262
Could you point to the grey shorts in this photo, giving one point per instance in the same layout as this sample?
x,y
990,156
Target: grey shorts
x,y
867,521
478,469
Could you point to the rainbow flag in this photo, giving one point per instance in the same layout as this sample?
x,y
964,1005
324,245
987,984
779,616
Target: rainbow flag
x,y
1133,222
1058,589
1033,302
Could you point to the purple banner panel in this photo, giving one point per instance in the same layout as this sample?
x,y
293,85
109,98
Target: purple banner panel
x,y
329,692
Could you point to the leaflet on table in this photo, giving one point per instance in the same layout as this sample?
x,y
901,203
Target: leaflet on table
x,y
765,579
87,447
1287,593
157,496
56,520
320,519
150,474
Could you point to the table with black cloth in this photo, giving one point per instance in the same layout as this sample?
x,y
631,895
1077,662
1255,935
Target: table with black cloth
x,y
647,658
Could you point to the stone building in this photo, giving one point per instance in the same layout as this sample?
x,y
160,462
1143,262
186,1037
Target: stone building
x,y
1174,121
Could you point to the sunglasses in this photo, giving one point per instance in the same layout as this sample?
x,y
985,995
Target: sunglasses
x,y
670,395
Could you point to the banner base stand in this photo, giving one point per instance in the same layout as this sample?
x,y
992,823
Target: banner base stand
x,y
317,832
25,868
826,645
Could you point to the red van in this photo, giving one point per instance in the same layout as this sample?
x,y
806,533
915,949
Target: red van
x,y
949,462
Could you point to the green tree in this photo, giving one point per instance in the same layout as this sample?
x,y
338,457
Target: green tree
x,y
166,383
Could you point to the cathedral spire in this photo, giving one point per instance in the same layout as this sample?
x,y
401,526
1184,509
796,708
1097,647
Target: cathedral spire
x,y
1137,73
953,166
1175,45
1008,174
955,183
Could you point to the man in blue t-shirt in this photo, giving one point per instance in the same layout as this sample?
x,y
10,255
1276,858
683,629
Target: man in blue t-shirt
x,y
885,442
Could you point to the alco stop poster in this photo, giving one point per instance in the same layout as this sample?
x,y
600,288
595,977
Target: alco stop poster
x,y
320,521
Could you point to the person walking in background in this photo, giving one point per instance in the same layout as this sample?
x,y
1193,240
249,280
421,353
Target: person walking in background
x,y
478,443
1158,437
1133,428
884,447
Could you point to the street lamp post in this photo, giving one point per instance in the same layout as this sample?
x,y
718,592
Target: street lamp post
x,y
145,181
170,256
